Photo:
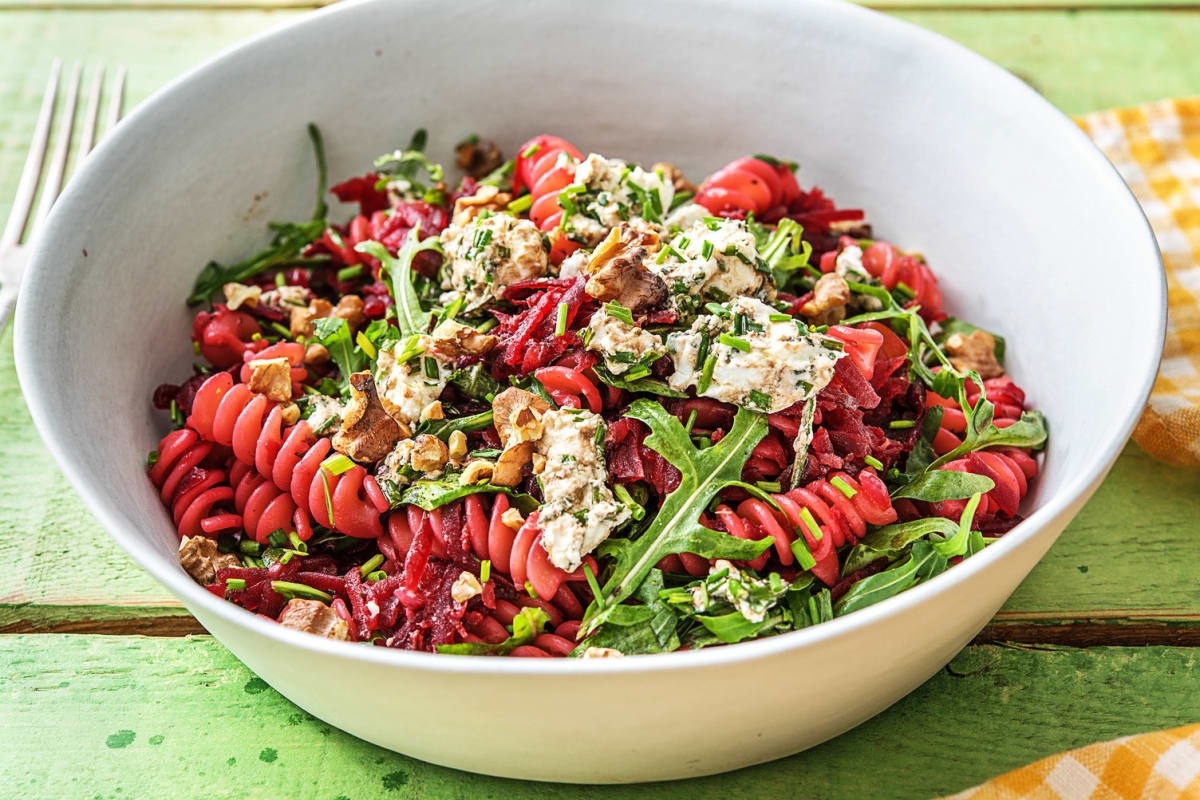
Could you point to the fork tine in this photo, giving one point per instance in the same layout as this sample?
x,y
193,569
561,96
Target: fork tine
x,y
118,100
58,163
89,121
23,201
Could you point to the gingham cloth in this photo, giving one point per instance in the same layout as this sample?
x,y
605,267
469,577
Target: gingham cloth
x,y
1156,148
1164,765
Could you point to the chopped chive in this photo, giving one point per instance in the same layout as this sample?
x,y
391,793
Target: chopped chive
x,y
347,273
289,589
620,312
718,309
431,368
529,590
250,547
710,364
366,345
277,538
560,325
803,555
775,581
196,348
337,463
372,564
597,595
840,484
902,423
485,571
661,257
735,342
760,399
488,324
684,241
706,250
811,523
780,318
376,576
282,331
872,461
521,204
328,499
691,420
280,281
151,458
635,508
533,148
297,543
235,584
637,373
739,324
702,350
769,486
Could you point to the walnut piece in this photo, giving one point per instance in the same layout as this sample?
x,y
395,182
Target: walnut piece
x,y
674,175
477,157
477,471
433,411
272,377
454,339
458,445
975,352
510,463
517,415
429,453
199,556
619,272
486,198
828,303
350,308
301,322
291,414
313,616
368,433
239,294
603,652
512,518
465,587
316,354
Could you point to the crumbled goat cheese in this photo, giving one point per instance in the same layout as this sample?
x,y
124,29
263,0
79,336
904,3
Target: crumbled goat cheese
x,y
405,388
579,510
684,217
621,345
607,191
465,586
396,466
574,265
322,410
734,588
849,265
487,254
285,296
782,366
714,262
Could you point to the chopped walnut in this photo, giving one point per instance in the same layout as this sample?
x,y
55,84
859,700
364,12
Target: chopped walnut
x,y
301,322
316,354
539,463
465,587
477,157
517,415
511,462
239,294
291,414
199,556
603,652
350,308
429,453
458,445
313,616
486,198
512,518
454,339
619,272
368,433
674,175
433,411
975,352
272,377
828,303
477,471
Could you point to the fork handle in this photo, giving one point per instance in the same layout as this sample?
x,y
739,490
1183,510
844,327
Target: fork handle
x,y
8,301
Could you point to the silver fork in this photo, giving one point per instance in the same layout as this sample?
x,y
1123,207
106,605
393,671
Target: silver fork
x,y
13,254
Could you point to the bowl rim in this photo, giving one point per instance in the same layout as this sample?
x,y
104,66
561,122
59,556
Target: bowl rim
x,y
870,23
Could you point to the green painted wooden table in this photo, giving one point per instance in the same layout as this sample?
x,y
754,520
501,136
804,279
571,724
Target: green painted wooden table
x,y
111,690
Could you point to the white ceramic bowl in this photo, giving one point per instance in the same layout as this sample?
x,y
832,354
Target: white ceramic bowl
x,y
1028,227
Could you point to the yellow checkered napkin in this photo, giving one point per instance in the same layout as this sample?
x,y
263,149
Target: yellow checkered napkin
x,y
1164,765
1156,148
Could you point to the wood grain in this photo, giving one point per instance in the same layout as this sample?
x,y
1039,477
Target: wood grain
x,y
146,714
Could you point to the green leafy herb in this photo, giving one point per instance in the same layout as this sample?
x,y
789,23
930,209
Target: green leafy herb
x,y
921,563
334,334
636,629
428,495
410,316
646,383
527,625
938,485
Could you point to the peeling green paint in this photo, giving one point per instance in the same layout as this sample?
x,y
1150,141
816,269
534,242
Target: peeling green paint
x,y
120,739
255,685
268,754
394,781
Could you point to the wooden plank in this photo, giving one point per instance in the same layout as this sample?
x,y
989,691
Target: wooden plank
x,y
144,714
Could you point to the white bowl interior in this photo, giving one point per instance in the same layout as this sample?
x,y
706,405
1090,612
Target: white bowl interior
x,y
1029,230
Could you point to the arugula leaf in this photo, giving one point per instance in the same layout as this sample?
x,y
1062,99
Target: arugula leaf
x,y
430,494
442,428
921,563
651,383
410,316
783,249
677,528
637,629
475,381
334,334
952,325
527,625
288,241
405,165
957,544
938,485
890,541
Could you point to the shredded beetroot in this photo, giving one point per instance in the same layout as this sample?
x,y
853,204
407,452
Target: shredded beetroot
x,y
362,190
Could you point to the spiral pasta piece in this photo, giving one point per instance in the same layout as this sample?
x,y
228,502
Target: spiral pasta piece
x,y
748,185
192,492
569,387
537,167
